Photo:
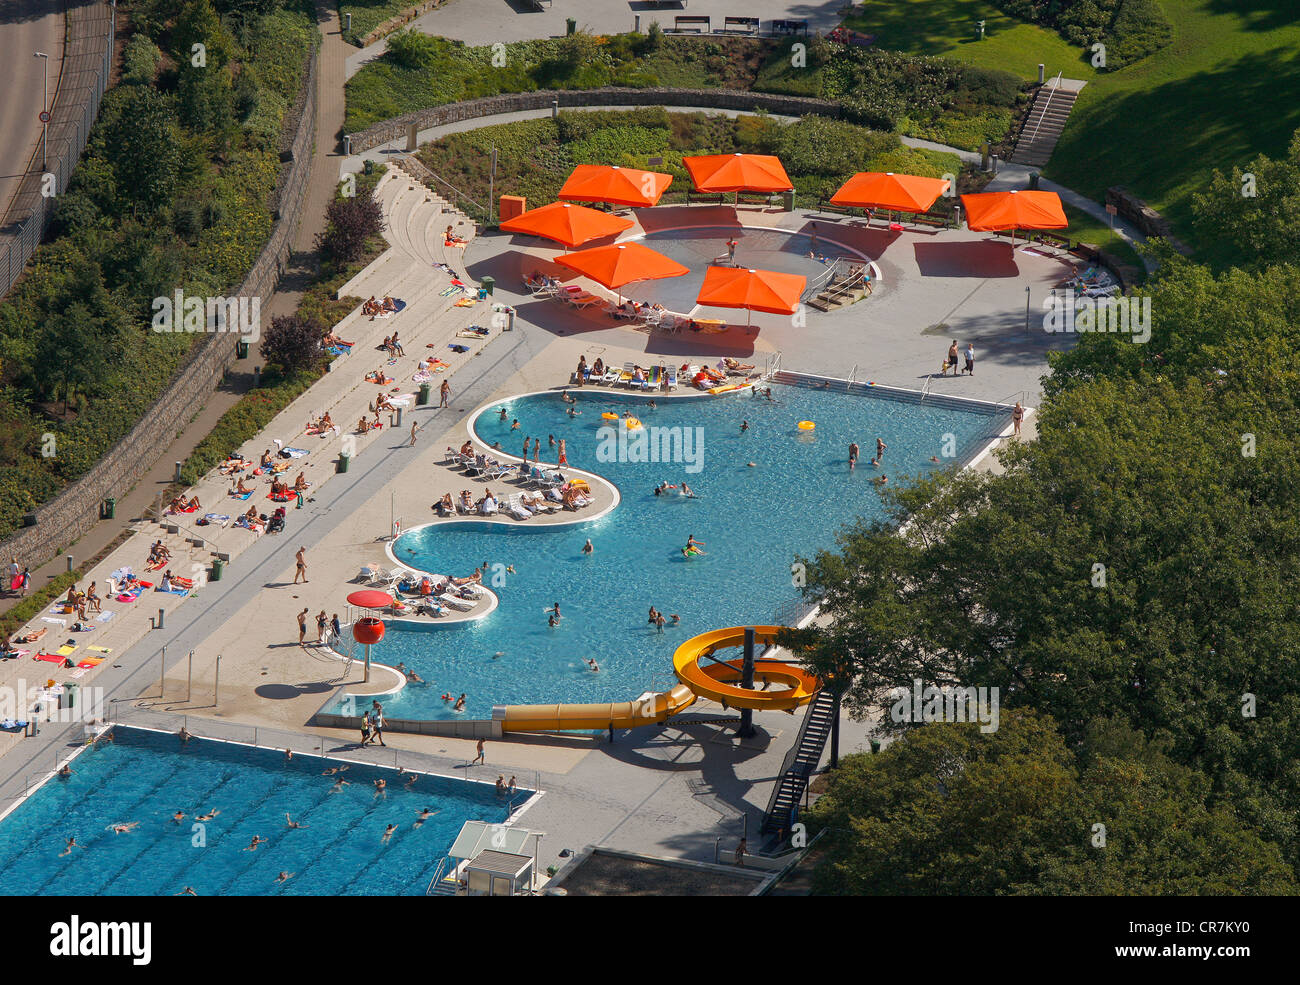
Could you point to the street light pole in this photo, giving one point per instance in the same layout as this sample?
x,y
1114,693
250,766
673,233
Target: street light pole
x,y
45,108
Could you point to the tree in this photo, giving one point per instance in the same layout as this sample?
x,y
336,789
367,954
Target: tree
x,y
349,224
292,343
144,146
948,810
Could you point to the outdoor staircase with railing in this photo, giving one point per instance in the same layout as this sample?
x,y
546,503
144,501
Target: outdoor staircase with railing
x,y
1045,122
438,885
800,762
845,284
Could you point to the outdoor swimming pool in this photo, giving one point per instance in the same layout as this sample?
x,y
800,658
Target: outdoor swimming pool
x,y
753,521
148,776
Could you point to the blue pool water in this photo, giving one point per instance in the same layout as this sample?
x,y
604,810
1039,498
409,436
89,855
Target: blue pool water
x,y
147,777
753,521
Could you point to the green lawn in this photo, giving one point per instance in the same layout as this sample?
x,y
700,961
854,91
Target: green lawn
x,y
947,27
368,15
1086,229
1223,91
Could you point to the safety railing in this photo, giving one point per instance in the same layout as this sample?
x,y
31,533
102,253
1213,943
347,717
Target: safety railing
x,y
416,168
1042,114
438,873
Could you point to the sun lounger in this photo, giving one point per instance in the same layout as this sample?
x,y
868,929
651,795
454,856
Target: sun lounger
x,y
611,376
625,377
672,379
463,605
515,507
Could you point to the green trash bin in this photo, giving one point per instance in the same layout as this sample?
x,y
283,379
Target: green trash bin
x,y
789,201
344,461
1033,180
241,349
110,508
426,390
68,699
218,568
488,284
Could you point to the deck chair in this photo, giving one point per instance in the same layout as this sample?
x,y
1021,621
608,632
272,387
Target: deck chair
x,y
611,376
672,379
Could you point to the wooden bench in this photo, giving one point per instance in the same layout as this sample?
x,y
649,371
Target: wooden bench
x,y
789,27
1052,239
926,219
740,25
700,25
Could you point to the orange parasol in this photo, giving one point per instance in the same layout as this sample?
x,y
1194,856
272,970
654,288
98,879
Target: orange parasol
x,y
618,186
738,173
889,191
571,225
1014,210
754,290
622,263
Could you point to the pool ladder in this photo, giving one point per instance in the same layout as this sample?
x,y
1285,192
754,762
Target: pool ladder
x,y
436,885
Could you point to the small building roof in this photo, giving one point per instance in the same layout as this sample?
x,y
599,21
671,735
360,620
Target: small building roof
x,y
501,864
477,837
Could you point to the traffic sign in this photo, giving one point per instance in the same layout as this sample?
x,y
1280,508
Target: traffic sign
x,y
45,116
1113,210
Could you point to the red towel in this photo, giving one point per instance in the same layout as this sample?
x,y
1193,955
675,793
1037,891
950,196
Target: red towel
x,y
50,658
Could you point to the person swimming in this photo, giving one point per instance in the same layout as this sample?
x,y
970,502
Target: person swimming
x,y
388,833
588,547
292,823
595,667
424,816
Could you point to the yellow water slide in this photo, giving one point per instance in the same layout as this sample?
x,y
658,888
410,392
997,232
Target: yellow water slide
x,y
715,679
796,687
649,709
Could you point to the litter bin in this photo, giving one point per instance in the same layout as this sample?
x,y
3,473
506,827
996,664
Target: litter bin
x,y
1033,180
68,699
241,349
110,508
344,461
789,201
488,284
425,390
218,567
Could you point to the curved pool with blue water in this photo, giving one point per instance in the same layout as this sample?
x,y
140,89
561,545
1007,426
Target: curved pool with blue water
x,y
754,520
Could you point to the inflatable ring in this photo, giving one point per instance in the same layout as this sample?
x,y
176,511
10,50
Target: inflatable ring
x,y
633,424
609,416
807,425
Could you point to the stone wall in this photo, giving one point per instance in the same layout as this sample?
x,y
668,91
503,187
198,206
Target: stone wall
x,y
405,17
515,102
75,510
1147,219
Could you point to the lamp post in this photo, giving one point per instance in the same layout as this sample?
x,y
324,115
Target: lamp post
x,y
45,108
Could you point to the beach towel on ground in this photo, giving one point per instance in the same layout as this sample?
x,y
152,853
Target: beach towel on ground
x,y
466,302
49,658
241,495
219,518
90,662
458,348
173,591
99,649
66,649
57,622
104,617
294,452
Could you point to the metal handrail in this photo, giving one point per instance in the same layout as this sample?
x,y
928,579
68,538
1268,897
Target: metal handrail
x,y
418,170
437,874
1056,84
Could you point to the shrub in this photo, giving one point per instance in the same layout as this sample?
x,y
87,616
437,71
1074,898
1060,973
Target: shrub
x,y
350,222
292,343
140,60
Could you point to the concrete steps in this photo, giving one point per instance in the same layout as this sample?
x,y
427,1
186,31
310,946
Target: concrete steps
x,y
1044,124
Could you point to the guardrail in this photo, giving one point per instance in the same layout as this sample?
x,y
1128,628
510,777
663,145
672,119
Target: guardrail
x,y
83,79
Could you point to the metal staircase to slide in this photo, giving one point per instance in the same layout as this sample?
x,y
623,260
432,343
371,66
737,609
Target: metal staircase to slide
x,y
800,762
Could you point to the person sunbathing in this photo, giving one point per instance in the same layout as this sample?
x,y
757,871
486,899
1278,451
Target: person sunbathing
x,y
445,506
474,579
390,306
30,637
452,239
598,367
737,366
362,425
466,502
242,489
300,483
383,404
251,516
266,461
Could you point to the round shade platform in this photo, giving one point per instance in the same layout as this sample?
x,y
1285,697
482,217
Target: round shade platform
x,y
763,249
370,598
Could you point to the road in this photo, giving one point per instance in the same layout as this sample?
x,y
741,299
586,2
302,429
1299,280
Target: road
x,y
26,26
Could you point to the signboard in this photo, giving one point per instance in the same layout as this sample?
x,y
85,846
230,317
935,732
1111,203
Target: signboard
x,y
1112,210
45,116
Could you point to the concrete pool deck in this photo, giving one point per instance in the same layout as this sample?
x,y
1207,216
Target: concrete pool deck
x,y
673,789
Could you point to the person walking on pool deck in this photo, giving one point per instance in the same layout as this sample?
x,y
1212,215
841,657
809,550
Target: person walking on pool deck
x,y
445,392
302,626
377,724
302,566
970,359
1017,415
564,458
731,250
322,623
481,757
952,359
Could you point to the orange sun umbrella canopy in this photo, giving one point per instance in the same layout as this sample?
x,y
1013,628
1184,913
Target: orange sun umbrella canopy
x,y
1014,210
738,173
571,225
757,290
622,263
889,191
618,186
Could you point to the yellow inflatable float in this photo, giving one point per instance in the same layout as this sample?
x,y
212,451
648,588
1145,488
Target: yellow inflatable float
x,y
807,425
